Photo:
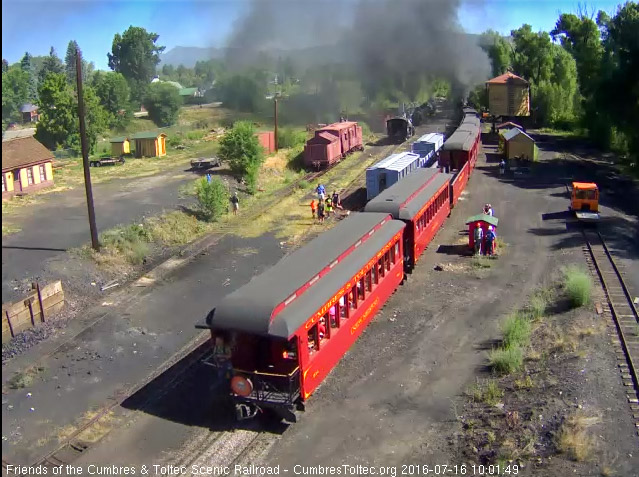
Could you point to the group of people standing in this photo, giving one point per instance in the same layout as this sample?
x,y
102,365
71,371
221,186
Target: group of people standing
x,y
324,205
485,241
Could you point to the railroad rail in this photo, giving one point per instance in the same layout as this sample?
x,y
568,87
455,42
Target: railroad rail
x,y
623,312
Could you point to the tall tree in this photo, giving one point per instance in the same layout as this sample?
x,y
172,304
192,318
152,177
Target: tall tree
x,y
498,50
70,61
580,37
532,54
163,103
27,66
113,93
51,64
59,125
620,90
136,56
15,91
5,65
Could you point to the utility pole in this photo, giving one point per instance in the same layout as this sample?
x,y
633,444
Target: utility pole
x,y
275,115
85,153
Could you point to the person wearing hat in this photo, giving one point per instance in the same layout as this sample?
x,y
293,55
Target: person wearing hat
x,y
478,236
490,241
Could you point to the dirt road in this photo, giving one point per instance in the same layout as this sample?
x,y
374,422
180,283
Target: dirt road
x,y
60,222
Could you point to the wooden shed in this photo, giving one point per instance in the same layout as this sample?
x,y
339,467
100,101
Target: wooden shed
x,y
508,95
519,145
120,146
150,144
26,166
484,221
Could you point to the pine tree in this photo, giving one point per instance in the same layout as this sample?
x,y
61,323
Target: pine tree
x,y
51,64
27,67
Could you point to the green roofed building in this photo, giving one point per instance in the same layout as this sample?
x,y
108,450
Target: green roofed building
x,y
120,146
150,144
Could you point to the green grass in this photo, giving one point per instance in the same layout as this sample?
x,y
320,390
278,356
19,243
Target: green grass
x,y
288,137
577,284
481,262
175,228
8,229
129,242
506,360
487,392
516,329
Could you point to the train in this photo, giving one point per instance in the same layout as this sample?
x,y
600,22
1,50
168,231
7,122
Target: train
x,y
332,143
276,338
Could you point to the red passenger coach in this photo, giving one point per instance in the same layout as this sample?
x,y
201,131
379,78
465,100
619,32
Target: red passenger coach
x,y
332,143
421,200
288,327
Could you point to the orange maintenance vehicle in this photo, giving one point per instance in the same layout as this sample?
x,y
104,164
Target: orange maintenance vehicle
x,y
584,200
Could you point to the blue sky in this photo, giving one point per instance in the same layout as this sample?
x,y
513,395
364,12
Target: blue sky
x,y
36,25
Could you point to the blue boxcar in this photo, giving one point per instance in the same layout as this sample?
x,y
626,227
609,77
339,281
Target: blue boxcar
x,y
428,147
389,171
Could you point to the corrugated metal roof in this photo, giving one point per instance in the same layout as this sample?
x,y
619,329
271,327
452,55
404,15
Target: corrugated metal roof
x,y
147,135
396,162
28,108
431,138
251,307
459,140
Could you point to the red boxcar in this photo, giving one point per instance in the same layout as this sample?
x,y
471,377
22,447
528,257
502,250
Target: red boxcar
x,y
331,143
267,140
289,326
421,201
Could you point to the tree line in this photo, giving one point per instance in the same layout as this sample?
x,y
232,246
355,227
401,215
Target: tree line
x,y
583,74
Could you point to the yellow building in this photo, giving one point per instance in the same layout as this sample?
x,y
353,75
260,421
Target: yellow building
x,y
120,146
519,145
150,144
508,95
26,166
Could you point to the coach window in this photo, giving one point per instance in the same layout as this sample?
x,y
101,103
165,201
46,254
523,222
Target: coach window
x,y
353,298
397,255
387,259
375,273
313,340
361,293
380,267
343,308
392,255
368,281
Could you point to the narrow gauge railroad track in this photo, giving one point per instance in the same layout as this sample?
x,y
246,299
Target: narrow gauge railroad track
x,y
73,446
623,311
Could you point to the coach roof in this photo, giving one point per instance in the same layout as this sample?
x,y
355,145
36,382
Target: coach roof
x,y
260,300
404,199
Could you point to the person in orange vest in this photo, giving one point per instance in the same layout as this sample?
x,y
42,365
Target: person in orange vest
x,y
313,207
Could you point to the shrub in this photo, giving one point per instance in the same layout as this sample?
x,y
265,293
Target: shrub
x,y
288,137
303,184
212,197
163,103
578,285
175,228
537,306
487,392
130,242
516,330
506,360
573,438
241,148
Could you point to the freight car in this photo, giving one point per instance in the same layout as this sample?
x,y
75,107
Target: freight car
x,y
289,326
421,200
332,143
428,147
390,170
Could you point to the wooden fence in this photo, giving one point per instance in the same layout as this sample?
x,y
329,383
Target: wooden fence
x,y
34,309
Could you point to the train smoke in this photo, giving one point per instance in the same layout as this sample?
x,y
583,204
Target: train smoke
x,y
381,38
